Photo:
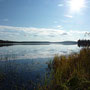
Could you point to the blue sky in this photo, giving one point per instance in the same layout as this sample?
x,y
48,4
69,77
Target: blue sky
x,y
44,20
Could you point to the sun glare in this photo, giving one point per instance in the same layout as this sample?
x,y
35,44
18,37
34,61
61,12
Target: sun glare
x,y
76,5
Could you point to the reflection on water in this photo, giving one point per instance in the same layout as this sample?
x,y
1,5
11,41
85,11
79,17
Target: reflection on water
x,y
22,64
37,51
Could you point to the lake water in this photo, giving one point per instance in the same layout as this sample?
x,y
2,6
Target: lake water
x,y
23,65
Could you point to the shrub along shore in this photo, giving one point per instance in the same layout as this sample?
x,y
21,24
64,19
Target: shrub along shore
x,y
70,72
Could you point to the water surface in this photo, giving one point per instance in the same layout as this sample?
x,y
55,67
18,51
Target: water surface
x,y
23,64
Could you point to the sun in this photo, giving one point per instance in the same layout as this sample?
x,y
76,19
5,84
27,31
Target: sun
x,y
76,5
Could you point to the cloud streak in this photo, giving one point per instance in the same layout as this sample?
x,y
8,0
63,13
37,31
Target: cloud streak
x,y
68,16
42,31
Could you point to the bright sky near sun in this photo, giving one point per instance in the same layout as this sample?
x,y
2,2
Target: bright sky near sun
x,y
44,20
76,5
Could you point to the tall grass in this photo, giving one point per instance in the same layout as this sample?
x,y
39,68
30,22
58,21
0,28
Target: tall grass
x,y
70,72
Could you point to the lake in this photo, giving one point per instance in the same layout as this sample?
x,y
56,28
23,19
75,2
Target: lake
x,y
22,66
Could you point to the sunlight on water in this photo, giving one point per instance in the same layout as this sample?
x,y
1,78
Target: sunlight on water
x,y
37,51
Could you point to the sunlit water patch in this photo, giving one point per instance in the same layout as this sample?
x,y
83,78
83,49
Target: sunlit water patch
x,y
37,51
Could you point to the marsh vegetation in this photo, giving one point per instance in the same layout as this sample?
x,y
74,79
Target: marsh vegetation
x,y
70,72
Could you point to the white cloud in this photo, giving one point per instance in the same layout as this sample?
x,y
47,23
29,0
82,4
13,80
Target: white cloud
x,y
68,16
59,26
28,29
32,33
77,31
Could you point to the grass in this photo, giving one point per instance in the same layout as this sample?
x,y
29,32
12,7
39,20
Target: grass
x,y
70,72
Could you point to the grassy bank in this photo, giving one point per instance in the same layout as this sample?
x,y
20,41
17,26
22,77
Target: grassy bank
x,y
69,72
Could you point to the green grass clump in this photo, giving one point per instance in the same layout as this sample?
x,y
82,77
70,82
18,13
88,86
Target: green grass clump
x,y
70,72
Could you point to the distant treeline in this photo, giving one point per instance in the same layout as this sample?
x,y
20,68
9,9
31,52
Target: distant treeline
x,y
10,43
3,41
83,43
42,42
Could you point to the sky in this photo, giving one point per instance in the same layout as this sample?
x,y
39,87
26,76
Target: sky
x,y
44,20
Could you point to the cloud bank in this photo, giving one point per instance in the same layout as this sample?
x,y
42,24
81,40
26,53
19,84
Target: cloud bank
x,y
38,34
